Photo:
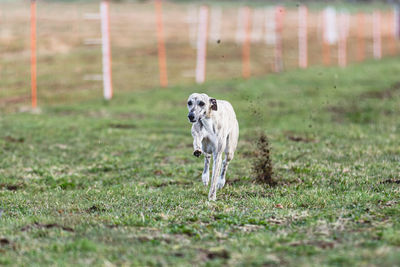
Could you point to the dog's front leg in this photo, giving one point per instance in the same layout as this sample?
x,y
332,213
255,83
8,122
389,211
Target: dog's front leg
x,y
217,161
205,176
197,138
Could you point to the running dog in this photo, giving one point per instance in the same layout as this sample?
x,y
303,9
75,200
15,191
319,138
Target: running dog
x,y
215,130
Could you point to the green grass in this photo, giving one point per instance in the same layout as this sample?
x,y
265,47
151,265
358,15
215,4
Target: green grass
x,y
100,183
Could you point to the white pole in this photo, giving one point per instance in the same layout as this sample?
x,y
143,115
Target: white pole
x,y
376,17
215,24
303,12
330,31
202,45
106,49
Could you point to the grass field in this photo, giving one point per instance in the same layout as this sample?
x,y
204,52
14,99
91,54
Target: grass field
x,y
116,183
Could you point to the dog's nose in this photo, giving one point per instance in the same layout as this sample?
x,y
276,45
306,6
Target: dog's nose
x,y
191,116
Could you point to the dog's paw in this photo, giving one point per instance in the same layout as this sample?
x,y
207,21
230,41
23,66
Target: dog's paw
x,y
221,184
205,178
212,198
212,195
197,153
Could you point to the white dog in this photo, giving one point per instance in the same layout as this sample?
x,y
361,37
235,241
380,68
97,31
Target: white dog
x,y
215,130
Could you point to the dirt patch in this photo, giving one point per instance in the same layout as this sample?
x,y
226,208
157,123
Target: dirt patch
x,y
11,187
391,181
295,138
216,253
11,139
4,241
262,164
122,126
46,226
94,209
383,94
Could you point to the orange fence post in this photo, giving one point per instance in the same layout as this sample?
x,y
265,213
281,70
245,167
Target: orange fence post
x,y
162,60
33,54
246,44
360,37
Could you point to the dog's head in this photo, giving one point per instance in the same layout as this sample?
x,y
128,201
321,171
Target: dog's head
x,y
200,106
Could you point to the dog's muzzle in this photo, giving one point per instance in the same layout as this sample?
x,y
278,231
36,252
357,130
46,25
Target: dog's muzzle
x,y
191,117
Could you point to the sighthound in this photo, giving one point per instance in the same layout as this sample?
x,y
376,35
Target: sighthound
x,y
215,130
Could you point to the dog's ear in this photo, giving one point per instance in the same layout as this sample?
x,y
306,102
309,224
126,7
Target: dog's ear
x,y
213,103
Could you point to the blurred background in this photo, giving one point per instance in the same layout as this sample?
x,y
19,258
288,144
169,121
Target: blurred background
x,y
69,44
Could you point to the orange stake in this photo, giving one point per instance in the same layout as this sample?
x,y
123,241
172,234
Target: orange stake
x,y
33,54
162,61
360,37
246,44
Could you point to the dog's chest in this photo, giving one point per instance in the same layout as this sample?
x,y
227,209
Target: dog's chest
x,y
208,144
209,137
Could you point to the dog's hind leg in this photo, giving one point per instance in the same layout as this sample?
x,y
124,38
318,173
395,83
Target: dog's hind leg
x,y
231,143
221,179
205,177
228,157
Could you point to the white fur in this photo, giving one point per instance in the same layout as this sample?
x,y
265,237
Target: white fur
x,y
214,132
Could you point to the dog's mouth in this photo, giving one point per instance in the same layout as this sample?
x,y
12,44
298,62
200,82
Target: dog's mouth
x,y
192,121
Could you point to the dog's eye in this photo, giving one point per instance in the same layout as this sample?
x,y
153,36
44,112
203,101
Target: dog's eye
x,y
201,103
189,103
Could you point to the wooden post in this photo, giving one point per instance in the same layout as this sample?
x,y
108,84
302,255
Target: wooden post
x,y
162,60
